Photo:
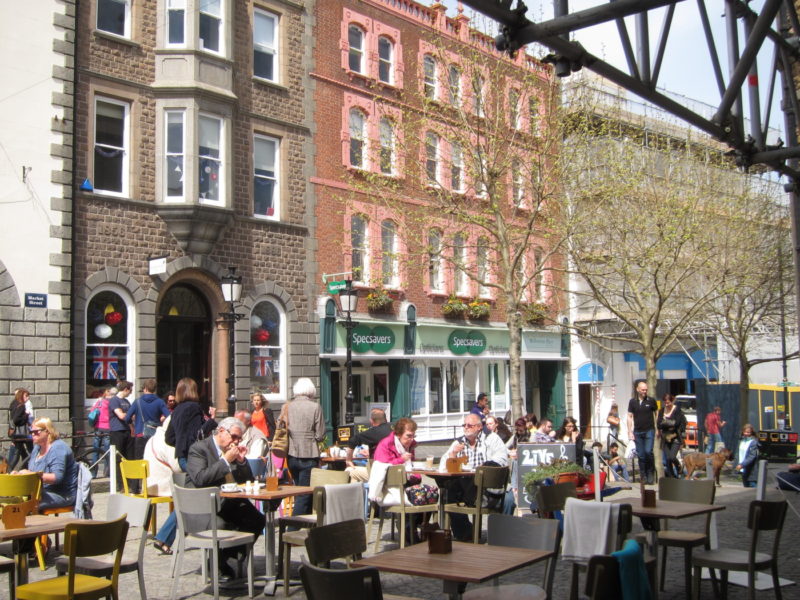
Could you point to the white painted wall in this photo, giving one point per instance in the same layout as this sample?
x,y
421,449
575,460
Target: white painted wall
x,y
26,115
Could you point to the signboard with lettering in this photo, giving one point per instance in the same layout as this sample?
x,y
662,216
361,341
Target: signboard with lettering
x,y
334,287
379,339
530,456
469,341
36,300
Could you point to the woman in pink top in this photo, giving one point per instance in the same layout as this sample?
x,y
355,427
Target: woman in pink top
x,y
102,430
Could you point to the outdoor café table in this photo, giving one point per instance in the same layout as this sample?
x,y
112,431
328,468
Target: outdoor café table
x,y
334,463
665,509
283,491
443,481
35,525
467,563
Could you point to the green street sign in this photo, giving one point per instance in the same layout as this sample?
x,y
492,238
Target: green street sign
x,y
334,287
379,339
461,342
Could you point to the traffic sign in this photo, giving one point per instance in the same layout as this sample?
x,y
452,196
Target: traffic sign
x,y
334,287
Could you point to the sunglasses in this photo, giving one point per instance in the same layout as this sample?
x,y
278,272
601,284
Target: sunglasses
x,y
36,431
471,425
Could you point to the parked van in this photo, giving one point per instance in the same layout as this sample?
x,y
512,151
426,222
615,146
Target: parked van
x,y
688,404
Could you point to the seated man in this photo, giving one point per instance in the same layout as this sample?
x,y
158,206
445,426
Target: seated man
x,y
617,462
480,449
789,480
219,459
379,429
542,435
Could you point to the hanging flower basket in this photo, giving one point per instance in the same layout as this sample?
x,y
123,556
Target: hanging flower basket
x,y
379,300
454,307
535,313
478,309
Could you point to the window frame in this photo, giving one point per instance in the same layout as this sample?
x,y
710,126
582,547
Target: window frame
x,y
276,195
513,109
282,349
221,160
430,77
386,146
390,276
457,179
273,51
482,268
173,6
461,280
167,154
359,53
432,161
388,63
436,281
454,92
220,19
125,148
358,135
126,27
130,331
363,250
517,184
478,105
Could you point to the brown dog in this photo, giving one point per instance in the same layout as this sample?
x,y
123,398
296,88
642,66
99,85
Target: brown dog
x,y
696,461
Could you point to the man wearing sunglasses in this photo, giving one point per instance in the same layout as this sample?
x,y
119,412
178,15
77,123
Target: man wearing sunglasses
x,y
220,459
480,449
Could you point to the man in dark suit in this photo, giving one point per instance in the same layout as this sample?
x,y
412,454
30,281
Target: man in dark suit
x,y
218,459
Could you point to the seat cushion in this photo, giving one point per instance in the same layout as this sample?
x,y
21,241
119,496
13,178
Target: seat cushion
x,y
57,587
295,538
728,559
102,566
510,591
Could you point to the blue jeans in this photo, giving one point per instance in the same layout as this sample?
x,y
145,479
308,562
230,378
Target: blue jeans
x,y
621,471
711,441
644,450
301,472
100,445
166,535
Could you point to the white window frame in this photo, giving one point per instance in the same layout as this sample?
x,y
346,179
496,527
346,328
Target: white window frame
x,y
388,63
221,160
454,85
482,266
356,52
430,79
358,135
435,261
168,154
276,196
386,135
432,157
126,28
130,334
390,277
460,259
264,47
513,108
456,167
478,84
125,148
173,7
517,183
220,18
362,250
283,379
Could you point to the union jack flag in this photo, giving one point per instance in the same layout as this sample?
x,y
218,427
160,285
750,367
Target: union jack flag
x,y
105,362
262,363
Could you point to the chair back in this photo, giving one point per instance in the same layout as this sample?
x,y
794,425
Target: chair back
x,y
196,509
13,515
550,498
338,540
333,507
396,476
93,538
138,511
341,584
134,469
21,485
179,478
766,515
527,532
602,578
490,478
699,491
328,477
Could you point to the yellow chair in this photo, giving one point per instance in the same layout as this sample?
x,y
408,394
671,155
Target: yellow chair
x,y
88,538
20,486
140,470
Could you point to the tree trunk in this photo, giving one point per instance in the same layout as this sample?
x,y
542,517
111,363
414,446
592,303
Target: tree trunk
x,y
514,322
652,380
744,388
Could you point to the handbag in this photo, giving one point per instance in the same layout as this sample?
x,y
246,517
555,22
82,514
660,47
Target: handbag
x,y
280,441
94,414
422,494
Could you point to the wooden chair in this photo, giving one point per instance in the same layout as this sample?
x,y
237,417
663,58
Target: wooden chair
x,y
10,514
337,540
137,512
521,532
341,584
197,528
15,488
83,539
552,498
396,477
684,490
602,578
485,478
140,470
762,516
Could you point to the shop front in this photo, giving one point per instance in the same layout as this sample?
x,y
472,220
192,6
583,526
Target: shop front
x,y
434,371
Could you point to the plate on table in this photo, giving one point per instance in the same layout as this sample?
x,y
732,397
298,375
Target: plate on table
x,y
229,487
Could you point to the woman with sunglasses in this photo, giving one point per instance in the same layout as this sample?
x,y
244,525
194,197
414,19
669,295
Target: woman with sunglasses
x,y
54,460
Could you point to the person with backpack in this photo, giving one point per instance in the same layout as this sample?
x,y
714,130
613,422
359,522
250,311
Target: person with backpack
x,y
147,412
99,419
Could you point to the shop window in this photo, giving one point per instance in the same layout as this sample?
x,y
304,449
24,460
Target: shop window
x,y
265,45
111,147
429,77
210,27
359,243
454,85
358,136
389,275
385,60
470,384
435,390
109,326
174,154
453,387
497,378
355,39
417,374
209,152
176,22
114,16
267,348
387,144
265,177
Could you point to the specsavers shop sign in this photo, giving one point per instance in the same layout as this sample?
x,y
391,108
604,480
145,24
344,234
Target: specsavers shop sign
x,y
466,342
379,339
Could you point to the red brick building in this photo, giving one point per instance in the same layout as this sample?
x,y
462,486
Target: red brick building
x,y
193,138
404,95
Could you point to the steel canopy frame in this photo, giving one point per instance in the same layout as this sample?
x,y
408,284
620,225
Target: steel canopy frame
x,y
775,23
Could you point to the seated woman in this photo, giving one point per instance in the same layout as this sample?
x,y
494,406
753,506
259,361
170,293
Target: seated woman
x,y
54,460
569,433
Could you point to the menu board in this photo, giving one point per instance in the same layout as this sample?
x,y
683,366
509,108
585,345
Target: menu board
x,y
530,456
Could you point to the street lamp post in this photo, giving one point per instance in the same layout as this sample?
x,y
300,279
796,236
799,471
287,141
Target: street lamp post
x,y
231,285
348,298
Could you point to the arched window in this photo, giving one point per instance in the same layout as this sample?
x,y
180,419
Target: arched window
x,y
355,39
109,332
456,167
429,77
454,85
359,243
385,60
268,348
389,275
435,271
358,126
432,157
386,135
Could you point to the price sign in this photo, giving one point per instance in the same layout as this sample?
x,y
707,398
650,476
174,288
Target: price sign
x,y
530,456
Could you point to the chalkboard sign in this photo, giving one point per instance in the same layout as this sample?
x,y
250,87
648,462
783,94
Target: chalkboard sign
x,y
533,455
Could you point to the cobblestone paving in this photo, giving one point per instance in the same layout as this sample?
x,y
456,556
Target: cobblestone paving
x,y
731,525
